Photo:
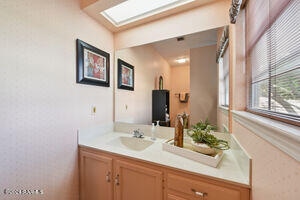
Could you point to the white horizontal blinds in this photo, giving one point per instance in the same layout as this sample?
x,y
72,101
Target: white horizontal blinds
x,y
285,40
273,55
260,14
224,79
259,63
285,61
259,59
221,82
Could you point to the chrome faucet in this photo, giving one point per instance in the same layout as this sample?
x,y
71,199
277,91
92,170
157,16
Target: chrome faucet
x,y
138,133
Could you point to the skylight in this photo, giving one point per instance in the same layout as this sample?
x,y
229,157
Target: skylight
x,y
133,10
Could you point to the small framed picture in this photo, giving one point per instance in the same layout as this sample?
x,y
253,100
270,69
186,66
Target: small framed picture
x,y
92,65
125,75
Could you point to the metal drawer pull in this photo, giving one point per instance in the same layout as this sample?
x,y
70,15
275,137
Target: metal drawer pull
x,y
108,177
202,194
117,180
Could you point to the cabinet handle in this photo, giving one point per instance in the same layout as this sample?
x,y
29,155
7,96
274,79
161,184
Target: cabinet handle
x,y
202,194
107,177
117,180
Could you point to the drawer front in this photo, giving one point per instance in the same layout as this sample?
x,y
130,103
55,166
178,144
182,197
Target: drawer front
x,y
201,189
175,197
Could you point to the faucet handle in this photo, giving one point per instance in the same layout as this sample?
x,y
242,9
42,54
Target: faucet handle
x,y
141,134
138,133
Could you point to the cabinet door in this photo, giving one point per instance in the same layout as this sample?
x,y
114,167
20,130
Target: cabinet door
x,y
95,177
137,182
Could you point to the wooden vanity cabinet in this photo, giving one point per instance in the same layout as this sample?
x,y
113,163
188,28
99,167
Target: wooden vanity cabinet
x,y
95,176
105,176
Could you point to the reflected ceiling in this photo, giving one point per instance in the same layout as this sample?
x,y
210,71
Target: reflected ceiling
x,y
172,49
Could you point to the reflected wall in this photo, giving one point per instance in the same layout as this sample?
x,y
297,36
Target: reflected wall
x,y
204,84
136,106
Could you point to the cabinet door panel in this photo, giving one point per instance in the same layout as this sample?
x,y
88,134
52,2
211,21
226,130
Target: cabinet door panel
x,y
137,182
95,177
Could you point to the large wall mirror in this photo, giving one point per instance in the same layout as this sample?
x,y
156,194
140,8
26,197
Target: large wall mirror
x,y
187,65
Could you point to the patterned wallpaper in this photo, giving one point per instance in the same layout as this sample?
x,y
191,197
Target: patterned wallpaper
x,y
41,105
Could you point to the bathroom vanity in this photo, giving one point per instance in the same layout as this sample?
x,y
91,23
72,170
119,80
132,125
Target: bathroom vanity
x,y
114,165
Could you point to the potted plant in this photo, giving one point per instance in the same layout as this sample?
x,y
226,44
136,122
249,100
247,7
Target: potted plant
x,y
204,141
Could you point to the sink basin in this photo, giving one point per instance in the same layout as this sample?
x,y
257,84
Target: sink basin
x,y
131,143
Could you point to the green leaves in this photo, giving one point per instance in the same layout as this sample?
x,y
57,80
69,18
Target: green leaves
x,y
200,133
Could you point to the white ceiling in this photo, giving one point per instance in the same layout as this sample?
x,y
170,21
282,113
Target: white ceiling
x,y
171,49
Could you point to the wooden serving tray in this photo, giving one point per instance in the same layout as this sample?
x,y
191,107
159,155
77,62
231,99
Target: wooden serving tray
x,y
187,152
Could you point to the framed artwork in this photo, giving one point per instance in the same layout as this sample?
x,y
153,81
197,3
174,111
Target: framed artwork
x,y
92,65
125,75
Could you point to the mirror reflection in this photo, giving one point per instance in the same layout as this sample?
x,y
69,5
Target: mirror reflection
x,y
174,76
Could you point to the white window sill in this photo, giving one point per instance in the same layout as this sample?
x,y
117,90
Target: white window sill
x,y
284,136
223,108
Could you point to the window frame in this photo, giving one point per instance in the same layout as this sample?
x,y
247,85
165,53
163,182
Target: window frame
x,y
283,117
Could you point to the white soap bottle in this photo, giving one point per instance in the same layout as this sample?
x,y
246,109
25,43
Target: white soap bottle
x,y
153,132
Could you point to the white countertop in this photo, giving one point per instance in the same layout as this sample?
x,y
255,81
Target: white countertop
x,y
228,169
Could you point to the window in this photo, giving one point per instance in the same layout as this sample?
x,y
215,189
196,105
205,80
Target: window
x,y
224,79
133,10
273,57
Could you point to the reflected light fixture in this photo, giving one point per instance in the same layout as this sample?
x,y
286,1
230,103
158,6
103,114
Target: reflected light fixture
x,y
181,60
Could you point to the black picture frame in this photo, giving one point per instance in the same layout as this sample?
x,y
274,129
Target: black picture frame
x,y
125,75
92,65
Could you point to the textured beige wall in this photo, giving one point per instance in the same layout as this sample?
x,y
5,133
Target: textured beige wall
x,y
180,82
41,105
204,84
202,18
275,175
148,66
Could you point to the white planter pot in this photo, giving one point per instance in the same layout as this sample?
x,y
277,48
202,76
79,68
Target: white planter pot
x,y
203,148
